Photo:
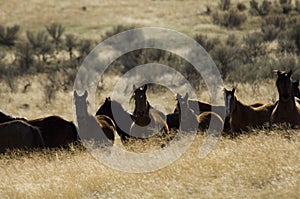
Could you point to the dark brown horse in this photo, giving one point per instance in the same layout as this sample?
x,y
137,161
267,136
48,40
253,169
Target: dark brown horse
x,y
296,89
147,120
244,116
95,130
120,117
56,131
19,135
287,109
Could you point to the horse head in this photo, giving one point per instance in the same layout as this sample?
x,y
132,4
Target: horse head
x,y
229,98
81,102
230,101
284,85
141,104
182,105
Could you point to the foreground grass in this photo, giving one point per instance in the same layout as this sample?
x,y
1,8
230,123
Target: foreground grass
x,y
256,166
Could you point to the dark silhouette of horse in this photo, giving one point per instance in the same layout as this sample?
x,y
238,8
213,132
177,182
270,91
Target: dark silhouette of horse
x,y
98,131
6,118
56,131
120,117
296,89
17,134
173,120
187,118
147,120
191,121
287,109
244,116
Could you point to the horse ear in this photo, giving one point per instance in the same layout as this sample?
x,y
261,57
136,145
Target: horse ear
x,y
75,94
290,73
145,87
233,90
85,94
277,72
186,97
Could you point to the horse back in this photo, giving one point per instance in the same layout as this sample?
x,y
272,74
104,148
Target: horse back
x,y
56,131
19,134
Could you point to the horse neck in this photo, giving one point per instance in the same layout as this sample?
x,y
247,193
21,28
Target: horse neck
x,y
239,106
287,104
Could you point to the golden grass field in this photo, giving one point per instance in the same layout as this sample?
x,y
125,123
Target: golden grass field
x,y
261,164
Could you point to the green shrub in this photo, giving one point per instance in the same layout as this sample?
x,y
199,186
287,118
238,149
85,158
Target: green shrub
x,y
25,57
71,43
230,19
55,30
9,35
260,10
207,43
224,4
40,44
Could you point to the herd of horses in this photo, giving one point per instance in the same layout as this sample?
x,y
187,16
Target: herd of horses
x,y
145,121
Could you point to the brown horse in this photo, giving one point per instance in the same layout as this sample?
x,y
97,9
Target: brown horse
x,y
244,116
56,131
296,89
120,117
19,135
191,121
147,120
96,130
287,109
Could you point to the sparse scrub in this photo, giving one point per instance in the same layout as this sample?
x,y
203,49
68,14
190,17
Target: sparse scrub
x,y
9,35
253,46
56,31
25,56
207,43
71,43
40,44
241,6
224,4
230,19
260,10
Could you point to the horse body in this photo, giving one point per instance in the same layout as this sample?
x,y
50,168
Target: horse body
x,y
287,109
96,130
147,120
243,116
56,131
207,118
19,135
121,118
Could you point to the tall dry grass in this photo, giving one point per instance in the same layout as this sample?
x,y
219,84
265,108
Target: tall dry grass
x,y
262,164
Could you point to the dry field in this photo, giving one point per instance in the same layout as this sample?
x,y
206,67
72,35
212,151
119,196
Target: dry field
x,y
263,164
260,164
